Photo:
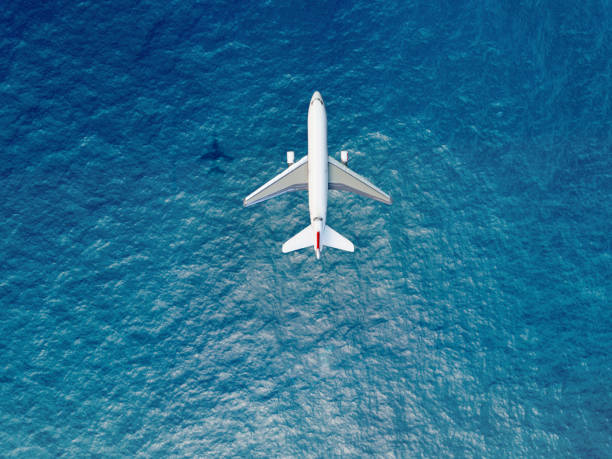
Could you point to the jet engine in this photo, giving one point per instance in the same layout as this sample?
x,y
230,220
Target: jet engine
x,y
344,157
290,158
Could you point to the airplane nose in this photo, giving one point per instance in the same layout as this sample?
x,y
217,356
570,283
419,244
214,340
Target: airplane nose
x,y
317,96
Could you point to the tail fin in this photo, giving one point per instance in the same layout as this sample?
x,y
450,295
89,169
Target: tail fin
x,y
329,238
301,240
332,239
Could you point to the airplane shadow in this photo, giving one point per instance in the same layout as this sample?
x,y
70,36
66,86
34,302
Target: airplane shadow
x,y
215,152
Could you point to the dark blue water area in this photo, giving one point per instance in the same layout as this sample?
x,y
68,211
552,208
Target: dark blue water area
x,y
145,312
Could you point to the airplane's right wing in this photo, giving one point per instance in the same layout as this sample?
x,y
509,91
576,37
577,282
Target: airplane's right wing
x,y
343,179
291,179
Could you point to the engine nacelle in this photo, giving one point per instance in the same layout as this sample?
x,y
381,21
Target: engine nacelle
x,y
290,158
344,157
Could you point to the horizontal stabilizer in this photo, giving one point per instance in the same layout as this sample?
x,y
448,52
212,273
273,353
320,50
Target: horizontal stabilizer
x,y
332,239
303,239
293,178
343,179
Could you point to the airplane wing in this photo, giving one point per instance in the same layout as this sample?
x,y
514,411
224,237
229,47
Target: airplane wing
x,y
343,179
293,178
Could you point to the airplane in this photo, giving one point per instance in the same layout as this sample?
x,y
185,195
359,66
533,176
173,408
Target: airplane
x,y
317,172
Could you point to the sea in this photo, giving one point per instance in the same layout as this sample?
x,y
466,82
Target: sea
x,y
144,312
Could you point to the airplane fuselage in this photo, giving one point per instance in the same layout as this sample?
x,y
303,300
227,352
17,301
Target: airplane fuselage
x,y
317,167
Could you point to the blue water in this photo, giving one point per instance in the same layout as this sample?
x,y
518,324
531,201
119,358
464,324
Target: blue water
x,y
145,312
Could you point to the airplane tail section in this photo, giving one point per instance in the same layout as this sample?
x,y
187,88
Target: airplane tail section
x,y
308,237
333,239
301,240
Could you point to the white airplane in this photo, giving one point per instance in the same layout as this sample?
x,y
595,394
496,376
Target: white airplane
x,y
317,173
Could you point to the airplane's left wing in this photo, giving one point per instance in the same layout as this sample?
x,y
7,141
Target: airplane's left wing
x,y
293,178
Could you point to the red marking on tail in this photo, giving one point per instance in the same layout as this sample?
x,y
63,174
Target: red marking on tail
x,y
318,235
